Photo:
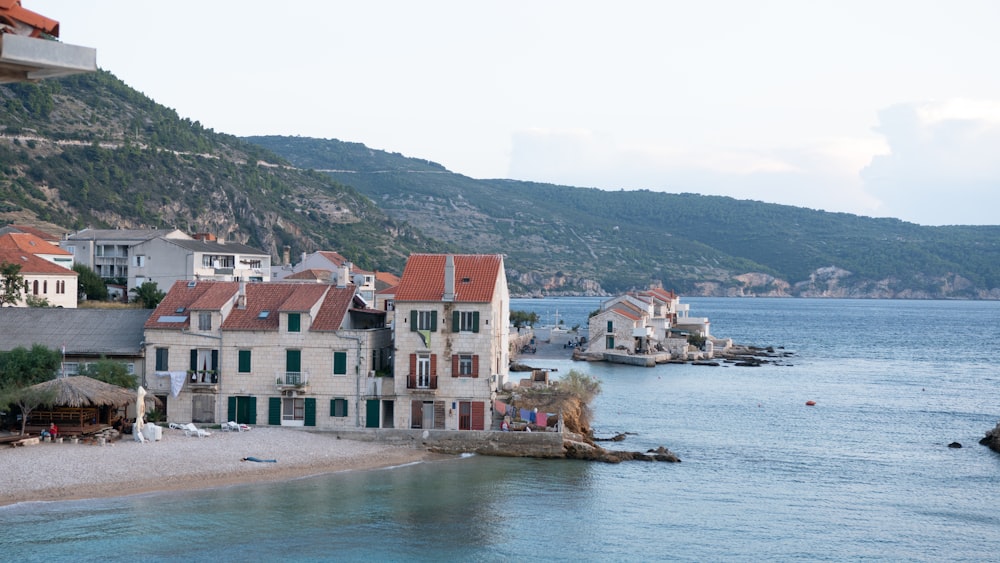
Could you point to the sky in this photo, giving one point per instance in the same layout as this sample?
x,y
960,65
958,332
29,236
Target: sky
x,y
879,108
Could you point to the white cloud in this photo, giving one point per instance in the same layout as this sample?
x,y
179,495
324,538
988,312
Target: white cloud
x,y
942,167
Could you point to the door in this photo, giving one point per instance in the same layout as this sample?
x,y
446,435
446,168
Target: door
x,y
371,413
427,411
464,415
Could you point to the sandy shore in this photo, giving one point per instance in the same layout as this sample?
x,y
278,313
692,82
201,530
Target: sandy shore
x,y
54,471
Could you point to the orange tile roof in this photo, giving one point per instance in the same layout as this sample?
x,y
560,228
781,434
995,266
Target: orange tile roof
x,y
27,242
48,237
335,307
302,298
475,277
31,264
315,274
275,298
334,257
186,296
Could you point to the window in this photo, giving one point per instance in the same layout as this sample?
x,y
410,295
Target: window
x,y
204,321
294,322
162,362
71,368
423,371
293,408
338,407
244,361
465,321
130,368
35,288
140,261
423,320
45,287
465,365
340,363
611,326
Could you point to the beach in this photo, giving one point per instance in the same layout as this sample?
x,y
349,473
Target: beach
x,y
64,471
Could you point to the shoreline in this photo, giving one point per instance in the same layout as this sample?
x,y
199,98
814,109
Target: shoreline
x,y
52,472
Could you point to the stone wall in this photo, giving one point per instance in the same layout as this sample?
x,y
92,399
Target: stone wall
x,y
484,442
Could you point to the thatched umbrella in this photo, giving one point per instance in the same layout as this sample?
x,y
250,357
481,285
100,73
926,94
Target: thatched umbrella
x,y
83,391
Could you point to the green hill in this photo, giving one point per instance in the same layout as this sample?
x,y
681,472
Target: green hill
x,y
90,151
560,238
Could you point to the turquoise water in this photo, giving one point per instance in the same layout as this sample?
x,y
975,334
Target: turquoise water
x,y
865,474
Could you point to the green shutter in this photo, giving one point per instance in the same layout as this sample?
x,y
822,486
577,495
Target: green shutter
x,y
251,413
475,321
274,411
293,360
338,407
434,321
413,320
340,363
215,361
194,358
244,361
611,327
294,322
456,321
310,411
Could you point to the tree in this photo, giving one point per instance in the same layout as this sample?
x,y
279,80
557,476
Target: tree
x,y
523,318
111,371
148,294
21,368
13,287
90,284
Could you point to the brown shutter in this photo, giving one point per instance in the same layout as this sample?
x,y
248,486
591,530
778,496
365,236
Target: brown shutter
x,y
478,415
434,364
475,365
413,364
454,365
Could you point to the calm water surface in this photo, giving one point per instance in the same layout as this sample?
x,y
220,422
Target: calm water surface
x,y
865,474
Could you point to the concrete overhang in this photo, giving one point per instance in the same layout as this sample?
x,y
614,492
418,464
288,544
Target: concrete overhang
x,y
28,59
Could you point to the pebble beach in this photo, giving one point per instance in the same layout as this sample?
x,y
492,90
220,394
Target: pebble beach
x,y
63,471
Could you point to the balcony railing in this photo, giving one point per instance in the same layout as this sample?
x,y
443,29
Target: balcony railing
x,y
203,376
292,379
422,382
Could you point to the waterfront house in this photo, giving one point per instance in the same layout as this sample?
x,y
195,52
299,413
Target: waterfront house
x,y
451,334
288,354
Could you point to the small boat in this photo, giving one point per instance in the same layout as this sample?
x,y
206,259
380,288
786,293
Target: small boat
x,y
810,403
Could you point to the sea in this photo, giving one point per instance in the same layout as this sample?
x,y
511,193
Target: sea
x,y
864,474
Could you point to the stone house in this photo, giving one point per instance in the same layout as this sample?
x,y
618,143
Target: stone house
x,y
287,354
452,333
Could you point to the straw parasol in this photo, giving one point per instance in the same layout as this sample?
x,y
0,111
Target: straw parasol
x,y
83,391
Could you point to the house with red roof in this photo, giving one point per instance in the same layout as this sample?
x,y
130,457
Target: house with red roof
x,y
282,354
644,321
46,268
452,331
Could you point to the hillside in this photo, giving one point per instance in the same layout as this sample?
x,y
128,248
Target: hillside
x,y
584,240
88,151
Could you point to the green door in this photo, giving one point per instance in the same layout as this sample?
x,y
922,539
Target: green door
x,y
242,410
371,413
310,413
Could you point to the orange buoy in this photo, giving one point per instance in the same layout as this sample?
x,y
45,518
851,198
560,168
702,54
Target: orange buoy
x,y
810,403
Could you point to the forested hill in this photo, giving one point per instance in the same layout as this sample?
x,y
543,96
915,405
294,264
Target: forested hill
x,y
88,151
561,239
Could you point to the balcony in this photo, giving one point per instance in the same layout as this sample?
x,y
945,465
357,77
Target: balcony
x,y
422,382
292,380
203,380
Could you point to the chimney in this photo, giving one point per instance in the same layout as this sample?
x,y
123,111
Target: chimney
x,y
241,298
449,279
286,255
345,275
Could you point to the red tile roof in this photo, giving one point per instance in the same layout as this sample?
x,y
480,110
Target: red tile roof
x,y
475,277
313,274
37,232
185,296
335,307
26,242
31,264
335,258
